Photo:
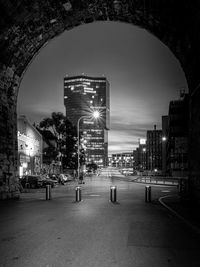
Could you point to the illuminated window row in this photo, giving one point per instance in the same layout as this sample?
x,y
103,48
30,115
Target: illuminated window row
x,y
92,148
88,122
97,131
84,80
92,144
89,92
96,138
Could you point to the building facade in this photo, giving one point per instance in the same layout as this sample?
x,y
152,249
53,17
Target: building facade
x,y
82,96
178,131
154,150
141,158
165,129
122,160
29,148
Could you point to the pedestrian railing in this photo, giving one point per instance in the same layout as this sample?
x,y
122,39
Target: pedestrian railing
x,y
158,180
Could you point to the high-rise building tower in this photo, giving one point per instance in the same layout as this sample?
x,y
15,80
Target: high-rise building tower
x,y
82,96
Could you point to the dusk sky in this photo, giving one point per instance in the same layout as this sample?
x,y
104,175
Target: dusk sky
x,y
143,74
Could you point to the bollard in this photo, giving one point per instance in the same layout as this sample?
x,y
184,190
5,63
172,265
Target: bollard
x,y
78,194
147,193
113,193
48,192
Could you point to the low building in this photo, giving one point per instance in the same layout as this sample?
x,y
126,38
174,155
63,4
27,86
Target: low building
x,y
122,160
29,148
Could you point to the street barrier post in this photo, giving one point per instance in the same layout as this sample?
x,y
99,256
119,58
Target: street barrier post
x,y
48,192
147,193
78,194
113,193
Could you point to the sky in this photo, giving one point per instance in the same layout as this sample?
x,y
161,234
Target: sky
x,y
143,73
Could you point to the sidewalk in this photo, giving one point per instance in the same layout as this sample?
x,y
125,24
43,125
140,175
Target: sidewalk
x,y
182,208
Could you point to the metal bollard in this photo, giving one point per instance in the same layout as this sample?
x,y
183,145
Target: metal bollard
x,y
113,193
78,194
48,192
147,193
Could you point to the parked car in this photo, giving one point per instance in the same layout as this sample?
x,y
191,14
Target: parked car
x,y
32,181
63,178
49,181
53,177
69,177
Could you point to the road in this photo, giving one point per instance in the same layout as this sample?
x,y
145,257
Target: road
x,y
95,232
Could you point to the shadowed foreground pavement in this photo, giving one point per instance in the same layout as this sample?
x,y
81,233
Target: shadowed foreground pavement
x,y
94,232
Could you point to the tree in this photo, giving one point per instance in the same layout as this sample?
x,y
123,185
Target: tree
x,y
65,137
70,159
92,166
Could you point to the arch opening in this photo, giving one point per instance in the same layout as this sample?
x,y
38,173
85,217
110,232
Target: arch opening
x,y
143,74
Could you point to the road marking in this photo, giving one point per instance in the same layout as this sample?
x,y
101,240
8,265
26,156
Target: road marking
x,y
93,195
165,191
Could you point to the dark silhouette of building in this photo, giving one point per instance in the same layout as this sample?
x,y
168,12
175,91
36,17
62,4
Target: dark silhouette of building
x,y
82,96
140,156
165,129
177,148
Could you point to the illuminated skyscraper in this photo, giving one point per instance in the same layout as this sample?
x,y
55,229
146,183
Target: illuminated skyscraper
x,y
83,95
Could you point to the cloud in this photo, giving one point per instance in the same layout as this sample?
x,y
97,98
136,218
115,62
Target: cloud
x,y
122,141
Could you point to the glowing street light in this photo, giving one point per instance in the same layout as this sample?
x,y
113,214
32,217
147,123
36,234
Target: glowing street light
x,y
95,114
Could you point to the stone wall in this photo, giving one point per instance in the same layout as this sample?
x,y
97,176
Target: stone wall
x,y
27,26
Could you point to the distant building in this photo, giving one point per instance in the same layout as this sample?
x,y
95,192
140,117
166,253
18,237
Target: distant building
x,y
178,130
29,148
136,161
140,156
122,160
154,150
82,96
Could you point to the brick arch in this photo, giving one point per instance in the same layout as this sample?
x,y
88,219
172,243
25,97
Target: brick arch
x,y
26,26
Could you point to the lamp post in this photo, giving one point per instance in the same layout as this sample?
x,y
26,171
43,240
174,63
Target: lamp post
x,y
164,155
94,115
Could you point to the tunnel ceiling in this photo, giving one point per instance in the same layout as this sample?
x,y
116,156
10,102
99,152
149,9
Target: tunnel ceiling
x,y
26,26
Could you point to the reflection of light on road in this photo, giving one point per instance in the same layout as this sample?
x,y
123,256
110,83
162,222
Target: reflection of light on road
x,y
165,191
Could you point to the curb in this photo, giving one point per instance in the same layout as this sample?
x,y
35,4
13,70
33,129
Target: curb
x,y
188,223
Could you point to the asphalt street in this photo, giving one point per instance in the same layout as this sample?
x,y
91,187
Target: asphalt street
x,y
95,232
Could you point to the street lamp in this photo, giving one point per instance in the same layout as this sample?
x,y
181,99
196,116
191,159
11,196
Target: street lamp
x,y
94,115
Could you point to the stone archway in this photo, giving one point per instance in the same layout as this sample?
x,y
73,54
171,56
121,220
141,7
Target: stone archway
x,y
27,27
